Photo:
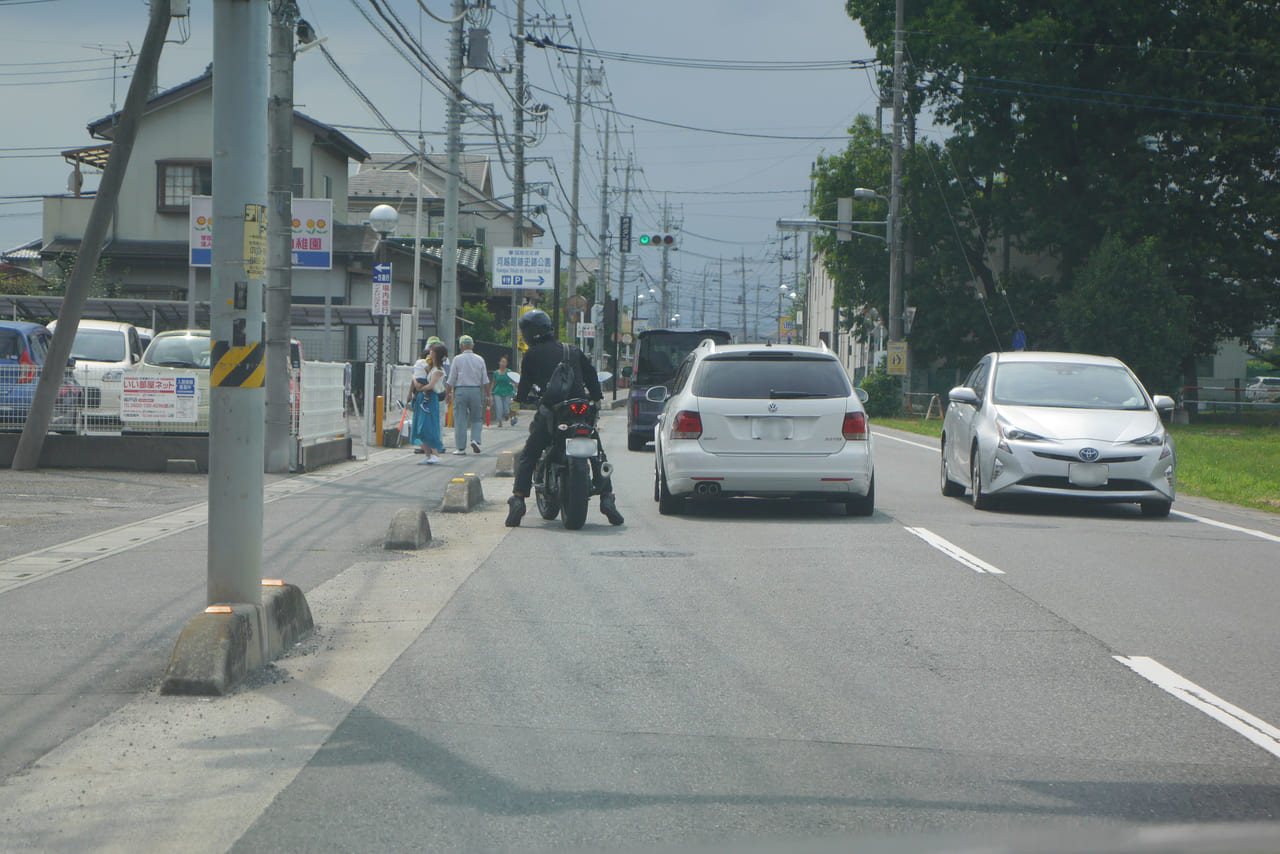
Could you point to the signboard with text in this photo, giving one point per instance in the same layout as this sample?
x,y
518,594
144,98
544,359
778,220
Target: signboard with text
x,y
516,268
173,398
380,300
311,235
897,360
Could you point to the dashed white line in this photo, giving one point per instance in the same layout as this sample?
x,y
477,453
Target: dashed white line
x,y
1255,729
954,552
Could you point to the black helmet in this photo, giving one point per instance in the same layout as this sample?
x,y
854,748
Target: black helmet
x,y
536,326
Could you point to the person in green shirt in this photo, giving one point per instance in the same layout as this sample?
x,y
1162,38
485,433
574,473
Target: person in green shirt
x,y
503,390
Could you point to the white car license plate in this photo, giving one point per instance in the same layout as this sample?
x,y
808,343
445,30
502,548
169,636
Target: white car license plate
x,y
1087,474
771,428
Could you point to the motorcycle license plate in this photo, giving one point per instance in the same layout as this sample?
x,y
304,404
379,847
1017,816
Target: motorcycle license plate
x,y
580,447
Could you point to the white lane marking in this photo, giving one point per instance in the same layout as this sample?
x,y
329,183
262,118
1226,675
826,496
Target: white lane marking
x,y
933,448
1263,535
28,568
954,552
1255,729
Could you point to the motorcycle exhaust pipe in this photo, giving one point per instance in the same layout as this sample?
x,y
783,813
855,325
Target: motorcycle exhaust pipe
x,y
606,468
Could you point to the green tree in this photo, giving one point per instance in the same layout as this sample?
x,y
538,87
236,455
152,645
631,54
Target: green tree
x,y
484,324
1068,122
1124,304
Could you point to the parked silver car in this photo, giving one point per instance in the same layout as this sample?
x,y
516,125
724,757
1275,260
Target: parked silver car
x,y
1057,424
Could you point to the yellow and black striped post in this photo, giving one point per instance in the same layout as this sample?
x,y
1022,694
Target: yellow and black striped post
x,y
237,367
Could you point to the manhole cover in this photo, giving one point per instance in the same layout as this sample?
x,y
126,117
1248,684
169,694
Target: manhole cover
x,y
641,553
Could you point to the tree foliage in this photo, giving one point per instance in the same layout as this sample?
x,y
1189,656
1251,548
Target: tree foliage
x,y
1069,122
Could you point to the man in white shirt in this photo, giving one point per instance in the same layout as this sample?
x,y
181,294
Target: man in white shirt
x,y
468,384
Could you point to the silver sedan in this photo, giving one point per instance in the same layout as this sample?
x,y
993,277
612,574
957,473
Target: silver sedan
x,y
1057,424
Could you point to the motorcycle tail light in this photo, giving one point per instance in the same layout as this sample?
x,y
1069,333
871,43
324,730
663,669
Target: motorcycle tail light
x,y
27,370
855,426
582,431
578,408
687,425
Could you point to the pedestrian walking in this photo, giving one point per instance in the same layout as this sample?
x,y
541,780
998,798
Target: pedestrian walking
x,y
503,391
468,384
426,406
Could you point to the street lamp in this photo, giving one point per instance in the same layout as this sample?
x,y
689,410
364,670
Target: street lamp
x,y
782,292
675,320
382,219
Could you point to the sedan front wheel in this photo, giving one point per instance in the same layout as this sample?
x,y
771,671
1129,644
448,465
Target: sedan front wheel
x,y
981,500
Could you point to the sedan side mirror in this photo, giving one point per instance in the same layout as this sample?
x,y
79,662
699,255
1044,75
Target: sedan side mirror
x,y
1163,402
656,394
964,394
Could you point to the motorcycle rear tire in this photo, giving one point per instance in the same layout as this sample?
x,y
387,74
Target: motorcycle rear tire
x,y
547,496
576,493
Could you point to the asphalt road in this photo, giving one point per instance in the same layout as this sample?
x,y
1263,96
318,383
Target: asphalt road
x,y
750,673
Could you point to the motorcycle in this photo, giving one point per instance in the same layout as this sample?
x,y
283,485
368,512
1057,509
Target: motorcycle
x,y
573,467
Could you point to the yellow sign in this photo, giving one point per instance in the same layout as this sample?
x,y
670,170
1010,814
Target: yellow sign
x,y
255,241
897,358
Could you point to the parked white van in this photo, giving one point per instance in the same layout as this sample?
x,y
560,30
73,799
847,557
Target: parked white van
x,y
103,350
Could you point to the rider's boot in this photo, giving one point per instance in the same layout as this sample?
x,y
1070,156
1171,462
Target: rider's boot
x,y
610,509
515,511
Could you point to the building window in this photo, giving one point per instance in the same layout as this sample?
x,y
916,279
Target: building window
x,y
178,180
297,183
328,187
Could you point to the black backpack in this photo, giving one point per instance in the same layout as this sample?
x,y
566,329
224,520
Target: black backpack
x,y
566,380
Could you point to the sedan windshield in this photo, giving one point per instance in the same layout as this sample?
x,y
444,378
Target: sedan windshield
x,y
749,376
179,352
1072,386
99,345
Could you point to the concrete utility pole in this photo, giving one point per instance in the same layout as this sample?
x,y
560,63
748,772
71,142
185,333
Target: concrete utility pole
x,y
517,185
236,312
602,275
280,235
622,255
666,254
447,324
415,324
720,296
26,457
895,192
743,263
574,219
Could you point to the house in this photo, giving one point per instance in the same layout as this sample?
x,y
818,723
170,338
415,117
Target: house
x,y
483,221
146,254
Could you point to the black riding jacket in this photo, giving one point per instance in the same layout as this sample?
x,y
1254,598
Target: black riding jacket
x,y
540,361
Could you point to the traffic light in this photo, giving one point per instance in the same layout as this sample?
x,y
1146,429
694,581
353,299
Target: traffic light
x,y
657,240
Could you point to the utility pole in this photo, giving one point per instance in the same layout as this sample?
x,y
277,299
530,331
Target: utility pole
x,y
284,16
26,457
574,219
743,263
720,298
895,192
666,252
236,308
602,275
415,311
517,188
622,250
447,324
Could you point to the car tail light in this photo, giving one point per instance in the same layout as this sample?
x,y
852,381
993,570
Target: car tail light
x,y
687,425
855,426
28,370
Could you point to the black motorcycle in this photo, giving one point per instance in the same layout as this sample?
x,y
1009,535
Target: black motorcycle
x,y
573,466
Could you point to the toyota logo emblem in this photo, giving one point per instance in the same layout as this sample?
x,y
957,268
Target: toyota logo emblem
x,y
1089,455
773,407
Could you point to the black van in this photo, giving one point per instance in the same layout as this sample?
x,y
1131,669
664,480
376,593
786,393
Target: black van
x,y
659,353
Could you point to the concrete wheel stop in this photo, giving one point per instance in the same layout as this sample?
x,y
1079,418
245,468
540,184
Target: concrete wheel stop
x,y
409,530
462,494
505,465
225,642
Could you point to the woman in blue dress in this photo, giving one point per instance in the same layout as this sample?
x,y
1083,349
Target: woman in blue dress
x,y
426,408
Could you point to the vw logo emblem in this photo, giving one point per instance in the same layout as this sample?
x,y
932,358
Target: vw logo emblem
x,y
1089,455
773,407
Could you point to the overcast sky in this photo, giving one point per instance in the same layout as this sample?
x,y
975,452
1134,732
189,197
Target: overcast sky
x,y
726,182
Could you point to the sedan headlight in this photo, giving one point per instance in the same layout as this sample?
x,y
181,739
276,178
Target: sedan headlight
x,y
1160,438
1008,432
112,376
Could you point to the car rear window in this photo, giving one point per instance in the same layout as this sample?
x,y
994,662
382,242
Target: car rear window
x,y
764,376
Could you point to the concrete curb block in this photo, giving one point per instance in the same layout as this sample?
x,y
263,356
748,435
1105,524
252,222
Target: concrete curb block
x,y
462,494
506,464
217,648
409,530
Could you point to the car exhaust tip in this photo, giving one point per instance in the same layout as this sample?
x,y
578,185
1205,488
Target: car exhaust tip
x,y
707,489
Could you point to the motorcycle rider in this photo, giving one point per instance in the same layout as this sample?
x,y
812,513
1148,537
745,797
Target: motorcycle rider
x,y
535,370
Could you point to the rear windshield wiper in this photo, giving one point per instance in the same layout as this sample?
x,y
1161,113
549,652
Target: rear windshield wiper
x,y
794,395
